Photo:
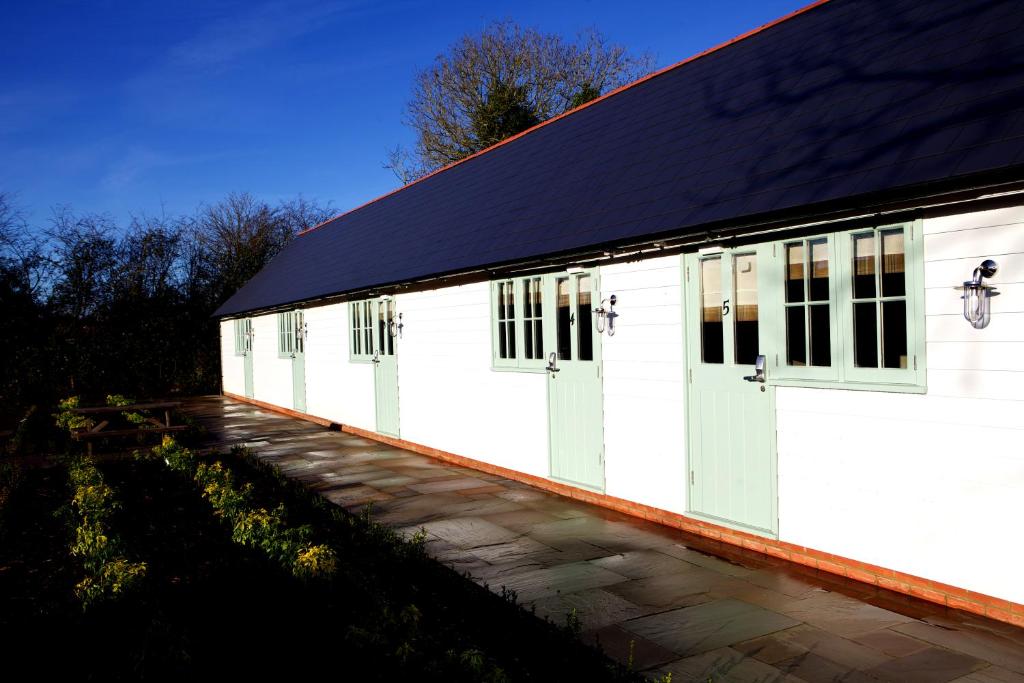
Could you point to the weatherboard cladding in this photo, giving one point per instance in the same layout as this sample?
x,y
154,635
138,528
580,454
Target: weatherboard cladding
x,y
847,99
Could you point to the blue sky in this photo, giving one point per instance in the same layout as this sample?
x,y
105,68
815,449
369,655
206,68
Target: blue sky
x,y
145,107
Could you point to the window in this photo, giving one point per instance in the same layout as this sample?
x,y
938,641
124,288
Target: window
x,y
285,334
518,323
533,324
506,310
243,336
360,330
852,307
533,317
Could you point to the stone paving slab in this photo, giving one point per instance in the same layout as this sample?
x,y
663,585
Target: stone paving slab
x,y
663,599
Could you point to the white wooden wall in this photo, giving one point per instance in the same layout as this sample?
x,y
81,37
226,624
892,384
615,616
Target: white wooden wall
x,y
232,367
448,395
644,416
335,388
926,484
271,376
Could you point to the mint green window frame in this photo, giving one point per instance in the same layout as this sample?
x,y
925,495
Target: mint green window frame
x,y
843,372
518,320
241,332
285,334
361,317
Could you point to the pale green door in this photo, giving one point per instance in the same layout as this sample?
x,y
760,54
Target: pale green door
x,y
731,429
575,405
246,341
299,362
385,366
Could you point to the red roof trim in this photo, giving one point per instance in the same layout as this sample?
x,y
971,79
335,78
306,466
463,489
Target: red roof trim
x,y
594,101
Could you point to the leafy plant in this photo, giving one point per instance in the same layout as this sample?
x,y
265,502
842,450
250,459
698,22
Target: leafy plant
x,y
108,572
114,578
121,400
71,421
315,561
252,527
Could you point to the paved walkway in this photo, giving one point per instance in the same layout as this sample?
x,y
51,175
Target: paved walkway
x,y
682,603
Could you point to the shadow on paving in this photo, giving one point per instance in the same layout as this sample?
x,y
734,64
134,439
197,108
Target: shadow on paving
x,y
667,600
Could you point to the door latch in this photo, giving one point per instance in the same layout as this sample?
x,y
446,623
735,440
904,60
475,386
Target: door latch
x,y
759,371
552,364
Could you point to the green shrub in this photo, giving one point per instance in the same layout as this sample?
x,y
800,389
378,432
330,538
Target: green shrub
x,y
69,420
108,572
113,579
252,527
177,457
131,416
315,561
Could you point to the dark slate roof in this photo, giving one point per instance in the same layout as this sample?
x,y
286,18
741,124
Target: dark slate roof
x,y
845,100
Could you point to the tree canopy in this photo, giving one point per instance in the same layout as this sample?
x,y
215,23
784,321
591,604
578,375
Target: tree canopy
x,y
92,307
490,86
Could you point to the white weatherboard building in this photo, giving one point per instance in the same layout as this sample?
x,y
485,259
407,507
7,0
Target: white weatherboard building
x,y
788,364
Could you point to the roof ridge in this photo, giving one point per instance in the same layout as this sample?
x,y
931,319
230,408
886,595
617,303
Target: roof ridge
x,y
616,91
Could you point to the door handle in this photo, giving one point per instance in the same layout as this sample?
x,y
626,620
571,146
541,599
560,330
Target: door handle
x,y
376,357
552,365
759,371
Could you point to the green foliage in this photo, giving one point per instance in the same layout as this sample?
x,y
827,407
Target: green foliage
x,y
114,578
177,457
315,561
68,420
108,573
251,526
132,416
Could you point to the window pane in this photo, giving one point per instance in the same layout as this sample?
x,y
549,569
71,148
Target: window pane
x,y
510,301
820,334
381,327
795,272
711,331
528,338
390,319
367,328
584,319
511,325
538,340
536,298
796,336
356,336
502,313
818,286
562,322
502,340
865,335
893,281
894,334
864,266
746,319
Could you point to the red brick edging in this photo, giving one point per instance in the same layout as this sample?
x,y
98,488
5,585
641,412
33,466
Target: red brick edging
x,y
890,579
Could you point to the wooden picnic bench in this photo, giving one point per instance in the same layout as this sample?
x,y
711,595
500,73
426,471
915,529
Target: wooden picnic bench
x,y
151,425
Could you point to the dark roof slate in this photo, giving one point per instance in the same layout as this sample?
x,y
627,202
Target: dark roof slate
x,y
850,98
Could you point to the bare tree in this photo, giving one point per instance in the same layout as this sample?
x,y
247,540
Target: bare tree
x,y
501,82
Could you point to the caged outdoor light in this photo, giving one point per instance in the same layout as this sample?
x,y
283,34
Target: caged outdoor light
x,y
395,328
977,295
606,319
